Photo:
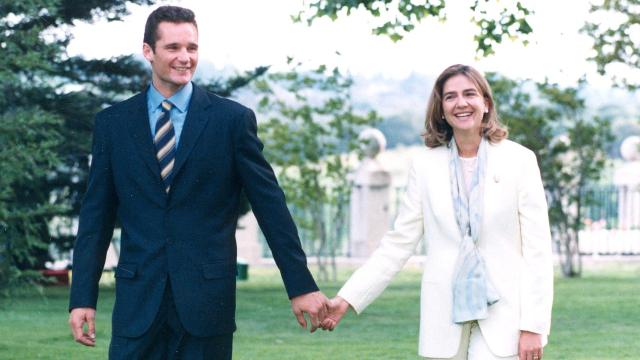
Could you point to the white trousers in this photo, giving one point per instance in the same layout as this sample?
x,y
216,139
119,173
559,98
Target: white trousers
x,y
473,346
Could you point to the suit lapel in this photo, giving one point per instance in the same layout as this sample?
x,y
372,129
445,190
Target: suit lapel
x,y
141,133
496,195
443,191
197,118
490,169
438,191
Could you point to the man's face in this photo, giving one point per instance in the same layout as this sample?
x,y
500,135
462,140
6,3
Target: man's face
x,y
174,59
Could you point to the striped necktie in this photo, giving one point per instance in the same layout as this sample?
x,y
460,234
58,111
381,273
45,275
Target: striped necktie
x,y
165,141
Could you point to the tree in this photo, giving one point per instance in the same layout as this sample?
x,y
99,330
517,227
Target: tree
x,y
396,18
47,109
55,95
616,40
28,140
310,131
571,151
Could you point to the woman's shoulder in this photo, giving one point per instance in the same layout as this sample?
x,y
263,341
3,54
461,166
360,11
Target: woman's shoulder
x,y
430,153
512,148
427,159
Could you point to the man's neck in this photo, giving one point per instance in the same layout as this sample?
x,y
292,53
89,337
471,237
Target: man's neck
x,y
166,91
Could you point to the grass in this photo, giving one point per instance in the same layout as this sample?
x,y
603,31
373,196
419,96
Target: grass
x,y
595,317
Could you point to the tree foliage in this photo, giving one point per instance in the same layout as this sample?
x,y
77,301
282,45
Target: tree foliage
x,y
28,142
571,150
311,129
396,18
616,39
56,95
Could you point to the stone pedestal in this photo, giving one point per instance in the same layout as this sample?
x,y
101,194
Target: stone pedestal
x,y
249,247
627,179
369,207
113,253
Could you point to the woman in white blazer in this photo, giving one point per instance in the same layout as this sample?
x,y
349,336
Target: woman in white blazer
x,y
477,200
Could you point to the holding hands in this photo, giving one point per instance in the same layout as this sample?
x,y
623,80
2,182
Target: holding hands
x,y
314,304
337,308
322,312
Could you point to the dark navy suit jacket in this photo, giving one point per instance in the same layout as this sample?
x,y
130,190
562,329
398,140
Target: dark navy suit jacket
x,y
187,235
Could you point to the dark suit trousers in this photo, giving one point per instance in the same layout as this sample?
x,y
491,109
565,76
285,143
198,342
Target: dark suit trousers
x,y
167,339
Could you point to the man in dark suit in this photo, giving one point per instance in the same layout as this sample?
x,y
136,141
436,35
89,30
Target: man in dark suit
x,y
169,164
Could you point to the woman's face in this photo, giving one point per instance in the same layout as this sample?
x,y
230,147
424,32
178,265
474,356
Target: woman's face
x,y
463,104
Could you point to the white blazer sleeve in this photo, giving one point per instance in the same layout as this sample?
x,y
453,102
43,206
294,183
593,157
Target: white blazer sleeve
x,y
536,286
395,248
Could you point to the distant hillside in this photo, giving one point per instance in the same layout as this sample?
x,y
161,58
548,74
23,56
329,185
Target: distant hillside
x,y
402,104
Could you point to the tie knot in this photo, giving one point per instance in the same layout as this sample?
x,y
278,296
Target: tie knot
x,y
166,106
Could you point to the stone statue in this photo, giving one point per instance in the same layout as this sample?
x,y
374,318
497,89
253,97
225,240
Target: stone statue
x,y
369,196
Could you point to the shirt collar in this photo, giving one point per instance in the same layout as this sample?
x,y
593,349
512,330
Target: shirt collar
x,y
180,99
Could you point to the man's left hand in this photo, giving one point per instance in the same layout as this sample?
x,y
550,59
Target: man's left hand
x,y
314,304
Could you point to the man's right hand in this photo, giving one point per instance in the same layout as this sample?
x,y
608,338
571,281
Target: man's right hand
x,y
77,318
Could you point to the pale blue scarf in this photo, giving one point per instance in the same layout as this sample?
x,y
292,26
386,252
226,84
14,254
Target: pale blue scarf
x,y
472,288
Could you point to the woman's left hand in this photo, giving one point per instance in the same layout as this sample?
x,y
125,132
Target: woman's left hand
x,y
337,308
530,346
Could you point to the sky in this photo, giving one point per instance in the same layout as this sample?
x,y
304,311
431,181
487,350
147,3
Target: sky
x,y
243,34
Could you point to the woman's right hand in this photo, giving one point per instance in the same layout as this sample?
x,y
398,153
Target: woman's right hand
x,y
337,308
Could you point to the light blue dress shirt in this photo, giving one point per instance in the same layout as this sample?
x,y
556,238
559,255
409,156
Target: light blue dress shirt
x,y
180,101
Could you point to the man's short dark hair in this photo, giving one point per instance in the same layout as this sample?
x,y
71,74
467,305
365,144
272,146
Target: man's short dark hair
x,y
172,14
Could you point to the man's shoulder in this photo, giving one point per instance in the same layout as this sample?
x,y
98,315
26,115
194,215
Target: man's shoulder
x,y
123,107
200,94
221,103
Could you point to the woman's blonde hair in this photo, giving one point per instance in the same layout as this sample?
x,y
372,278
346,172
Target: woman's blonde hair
x,y
438,131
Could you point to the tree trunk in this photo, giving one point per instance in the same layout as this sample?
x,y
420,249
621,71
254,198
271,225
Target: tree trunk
x,y
338,227
321,236
570,259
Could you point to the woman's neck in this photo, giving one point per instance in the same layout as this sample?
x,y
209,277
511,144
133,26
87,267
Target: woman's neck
x,y
468,144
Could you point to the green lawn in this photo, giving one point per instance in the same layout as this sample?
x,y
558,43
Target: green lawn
x,y
595,317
